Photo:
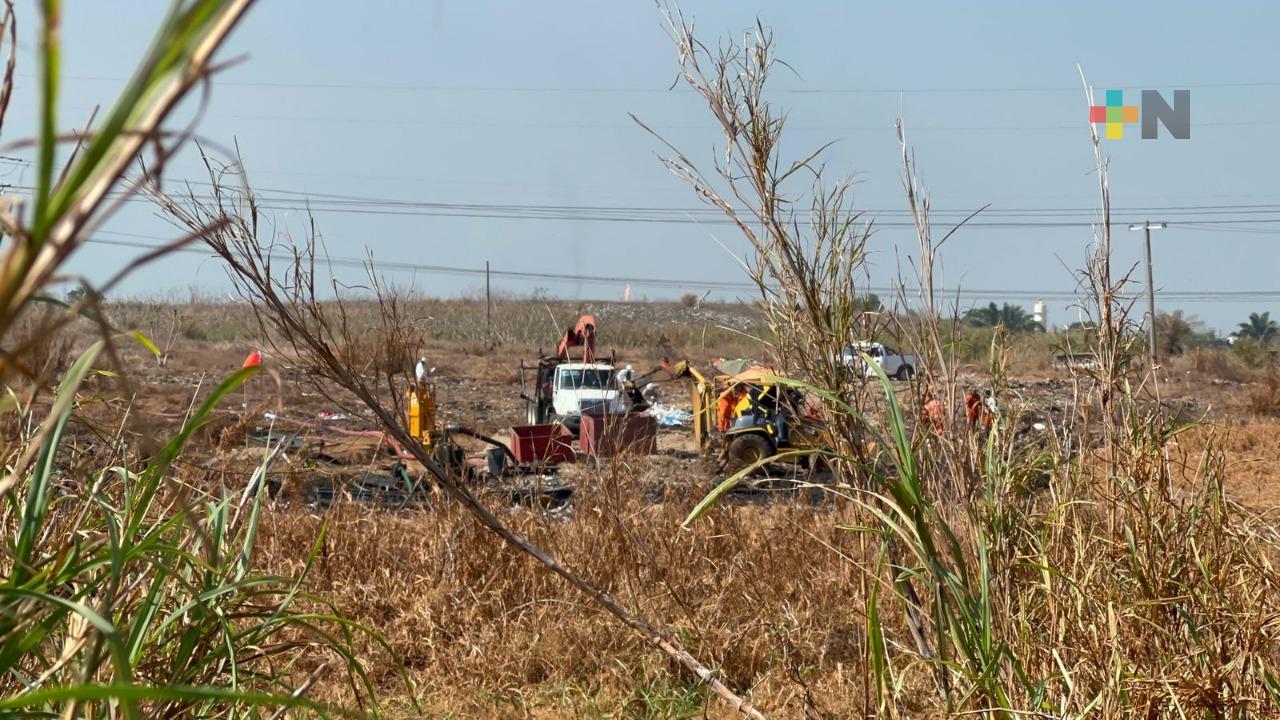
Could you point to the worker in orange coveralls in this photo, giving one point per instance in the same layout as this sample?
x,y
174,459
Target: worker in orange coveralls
x,y
977,409
726,406
932,409
972,408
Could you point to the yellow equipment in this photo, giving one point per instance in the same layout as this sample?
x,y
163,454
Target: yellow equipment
x,y
422,413
744,443
435,440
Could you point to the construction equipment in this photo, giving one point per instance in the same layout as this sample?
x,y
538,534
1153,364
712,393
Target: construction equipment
x,y
423,427
439,442
702,395
763,432
563,387
583,335
756,429
422,412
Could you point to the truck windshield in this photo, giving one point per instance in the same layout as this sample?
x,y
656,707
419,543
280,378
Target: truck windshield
x,y
586,378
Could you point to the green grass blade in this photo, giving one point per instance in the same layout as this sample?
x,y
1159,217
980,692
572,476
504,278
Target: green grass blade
x,y
41,477
731,482
50,69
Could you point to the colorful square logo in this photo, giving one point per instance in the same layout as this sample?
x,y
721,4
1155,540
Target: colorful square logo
x,y
1114,115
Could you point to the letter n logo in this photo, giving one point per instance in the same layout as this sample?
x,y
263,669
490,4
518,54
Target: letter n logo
x,y
1176,119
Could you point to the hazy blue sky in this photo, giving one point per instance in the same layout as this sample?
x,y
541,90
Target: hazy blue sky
x,y
521,103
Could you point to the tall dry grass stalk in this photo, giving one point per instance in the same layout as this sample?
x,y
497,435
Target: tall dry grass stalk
x,y
809,262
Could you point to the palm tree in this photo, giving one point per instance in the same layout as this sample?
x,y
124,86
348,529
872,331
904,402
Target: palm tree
x,y
1173,330
1260,327
1014,318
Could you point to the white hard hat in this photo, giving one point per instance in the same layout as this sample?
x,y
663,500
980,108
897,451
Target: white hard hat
x,y
628,367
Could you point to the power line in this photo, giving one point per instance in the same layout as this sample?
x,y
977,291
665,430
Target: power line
x,y
726,285
1213,216
1087,212
664,88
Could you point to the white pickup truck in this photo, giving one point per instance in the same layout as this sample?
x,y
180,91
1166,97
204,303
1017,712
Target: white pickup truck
x,y
893,363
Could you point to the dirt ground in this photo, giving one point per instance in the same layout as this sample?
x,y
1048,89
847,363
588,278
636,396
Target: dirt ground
x,y
479,387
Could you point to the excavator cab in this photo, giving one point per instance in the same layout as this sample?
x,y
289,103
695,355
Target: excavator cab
x,y
772,422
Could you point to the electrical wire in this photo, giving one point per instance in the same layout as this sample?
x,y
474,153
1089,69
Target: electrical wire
x,y
704,284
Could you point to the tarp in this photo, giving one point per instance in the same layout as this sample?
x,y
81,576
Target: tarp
x,y
733,367
756,375
670,416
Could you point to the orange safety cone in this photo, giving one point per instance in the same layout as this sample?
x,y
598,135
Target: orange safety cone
x,y
254,360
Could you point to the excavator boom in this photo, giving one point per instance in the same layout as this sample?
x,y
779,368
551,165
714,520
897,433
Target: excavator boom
x,y
701,391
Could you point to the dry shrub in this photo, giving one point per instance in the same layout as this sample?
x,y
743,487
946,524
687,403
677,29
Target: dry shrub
x,y
46,355
1211,363
1253,353
1264,399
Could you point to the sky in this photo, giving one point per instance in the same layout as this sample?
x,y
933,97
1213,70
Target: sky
x,y
391,114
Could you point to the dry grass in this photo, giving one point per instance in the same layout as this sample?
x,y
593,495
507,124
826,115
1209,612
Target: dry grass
x,y
1264,400
775,596
486,633
646,331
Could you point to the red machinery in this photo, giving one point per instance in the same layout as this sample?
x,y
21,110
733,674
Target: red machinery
x,y
582,335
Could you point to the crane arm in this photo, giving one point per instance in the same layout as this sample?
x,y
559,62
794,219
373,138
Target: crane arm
x,y
582,335
679,371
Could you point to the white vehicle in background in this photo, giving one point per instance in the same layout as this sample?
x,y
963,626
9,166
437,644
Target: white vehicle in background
x,y
893,363
585,388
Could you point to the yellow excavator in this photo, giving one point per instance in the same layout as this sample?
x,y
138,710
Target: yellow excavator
x,y
762,417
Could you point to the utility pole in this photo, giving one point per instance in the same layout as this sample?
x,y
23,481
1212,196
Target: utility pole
x,y
1146,229
488,305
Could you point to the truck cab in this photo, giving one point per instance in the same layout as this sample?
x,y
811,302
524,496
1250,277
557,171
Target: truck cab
x,y
586,388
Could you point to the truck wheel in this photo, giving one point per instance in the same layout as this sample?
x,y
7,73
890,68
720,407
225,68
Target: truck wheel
x,y
746,450
905,372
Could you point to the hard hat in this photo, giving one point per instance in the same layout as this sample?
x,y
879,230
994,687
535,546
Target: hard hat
x,y
628,367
